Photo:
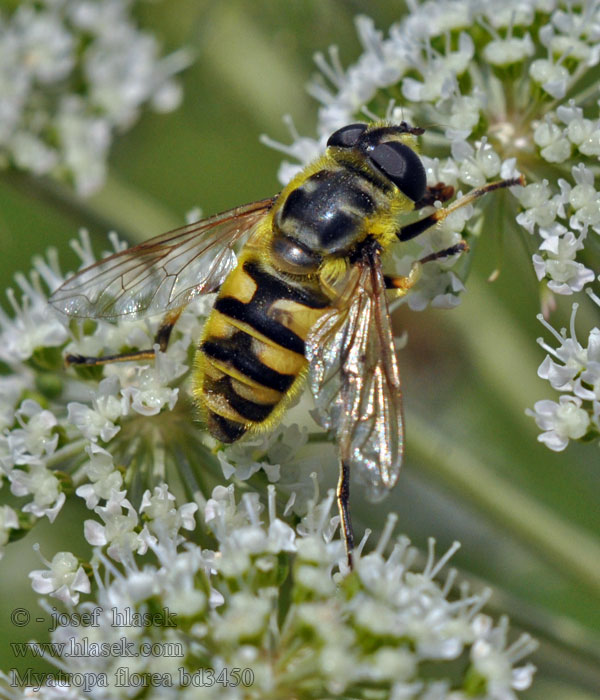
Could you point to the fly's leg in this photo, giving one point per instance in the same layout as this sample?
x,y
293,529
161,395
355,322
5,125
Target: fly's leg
x,y
402,283
435,193
161,339
460,247
417,227
343,501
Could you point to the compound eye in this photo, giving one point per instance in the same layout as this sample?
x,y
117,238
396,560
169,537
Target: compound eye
x,y
402,166
347,136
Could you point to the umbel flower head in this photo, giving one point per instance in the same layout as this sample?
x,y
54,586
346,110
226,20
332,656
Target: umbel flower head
x,y
500,89
265,613
63,431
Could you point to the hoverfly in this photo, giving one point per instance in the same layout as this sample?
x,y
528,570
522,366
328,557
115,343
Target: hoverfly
x,y
307,294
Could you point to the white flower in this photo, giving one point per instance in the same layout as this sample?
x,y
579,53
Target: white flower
x,y
555,146
425,57
553,77
119,529
493,659
34,326
478,166
541,207
43,485
246,617
244,541
587,385
503,52
36,437
559,265
163,516
11,388
93,431
571,353
267,452
98,421
9,520
439,72
64,579
583,199
104,478
577,371
150,391
560,422
85,139
333,634
45,45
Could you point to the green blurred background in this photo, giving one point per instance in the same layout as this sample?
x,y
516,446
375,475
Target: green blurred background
x,y
528,519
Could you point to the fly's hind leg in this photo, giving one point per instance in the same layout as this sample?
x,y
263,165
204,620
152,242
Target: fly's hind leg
x,y
161,339
343,501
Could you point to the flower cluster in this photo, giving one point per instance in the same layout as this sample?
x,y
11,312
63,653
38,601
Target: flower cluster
x,y
270,612
71,74
95,432
500,90
573,370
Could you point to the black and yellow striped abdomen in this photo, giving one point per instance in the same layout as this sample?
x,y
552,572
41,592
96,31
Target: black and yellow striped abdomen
x,y
250,362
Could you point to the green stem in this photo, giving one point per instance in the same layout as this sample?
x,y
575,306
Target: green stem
x,y
60,198
136,216
485,324
133,215
69,450
572,549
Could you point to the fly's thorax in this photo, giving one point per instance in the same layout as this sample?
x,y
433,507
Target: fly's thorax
x,y
323,215
368,177
292,256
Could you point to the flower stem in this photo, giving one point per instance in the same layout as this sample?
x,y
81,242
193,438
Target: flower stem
x,y
138,215
69,450
570,548
134,215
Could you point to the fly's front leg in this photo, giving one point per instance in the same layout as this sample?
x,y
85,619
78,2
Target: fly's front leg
x,y
440,192
402,283
417,227
435,193
161,339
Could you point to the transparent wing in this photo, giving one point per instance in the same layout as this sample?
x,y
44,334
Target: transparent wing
x,y
355,379
164,273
